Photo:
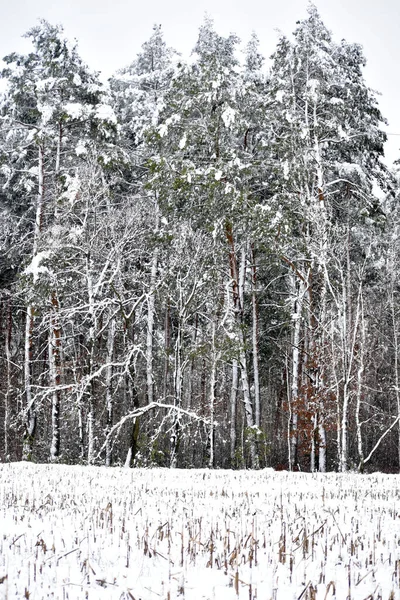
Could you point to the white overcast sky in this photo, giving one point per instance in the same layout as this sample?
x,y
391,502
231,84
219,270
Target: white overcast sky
x,y
111,32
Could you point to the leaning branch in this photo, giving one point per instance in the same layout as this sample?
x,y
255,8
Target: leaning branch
x,y
384,434
145,409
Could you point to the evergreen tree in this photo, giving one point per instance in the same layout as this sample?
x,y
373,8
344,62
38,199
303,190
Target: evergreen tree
x,y
50,114
329,143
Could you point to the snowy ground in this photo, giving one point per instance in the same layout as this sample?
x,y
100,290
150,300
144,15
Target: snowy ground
x,y
75,532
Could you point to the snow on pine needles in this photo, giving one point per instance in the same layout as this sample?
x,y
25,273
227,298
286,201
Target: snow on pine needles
x,y
79,532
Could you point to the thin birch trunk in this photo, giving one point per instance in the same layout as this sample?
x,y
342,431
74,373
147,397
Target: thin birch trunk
x,y
55,376
321,445
191,364
321,388
212,392
57,167
347,352
30,413
396,363
91,346
167,345
297,315
349,349
337,394
345,403
79,371
322,224
7,349
248,407
290,408
150,315
233,270
238,283
233,401
312,453
80,431
257,404
55,335
109,390
360,373
345,410
130,383
90,433
175,434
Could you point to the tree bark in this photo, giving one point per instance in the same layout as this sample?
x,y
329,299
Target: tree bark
x,y
130,382
150,315
175,434
7,336
30,414
55,376
294,399
396,360
233,402
360,373
248,407
212,393
256,375
30,411
167,346
90,366
109,389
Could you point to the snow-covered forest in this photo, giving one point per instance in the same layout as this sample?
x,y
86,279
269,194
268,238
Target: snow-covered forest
x,y
199,260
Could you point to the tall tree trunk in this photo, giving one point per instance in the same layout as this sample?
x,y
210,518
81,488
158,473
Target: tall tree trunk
x,y
191,366
79,372
176,427
212,392
257,404
321,444
312,454
7,396
30,414
150,314
321,385
30,411
90,367
349,342
335,368
294,397
233,401
55,376
130,383
347,352
345,402
238,283
360,373
321,235
55,334
109,390
396,360
248,406
167,347
90,431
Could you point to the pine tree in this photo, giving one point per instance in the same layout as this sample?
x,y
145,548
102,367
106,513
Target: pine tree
x,y
51,111
329,143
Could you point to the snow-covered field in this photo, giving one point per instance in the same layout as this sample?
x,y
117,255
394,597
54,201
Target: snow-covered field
x,y
79,532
